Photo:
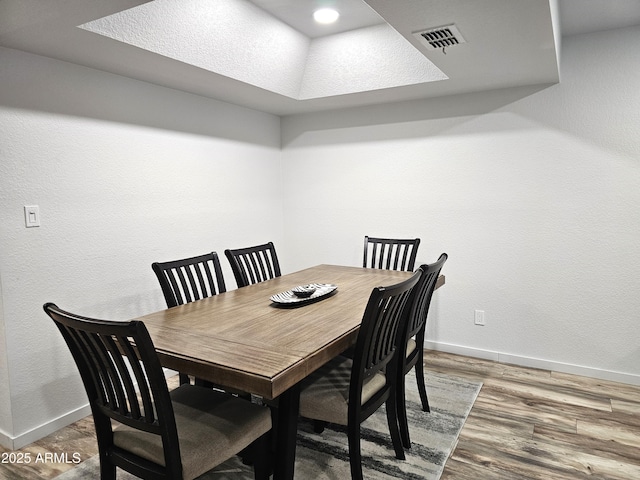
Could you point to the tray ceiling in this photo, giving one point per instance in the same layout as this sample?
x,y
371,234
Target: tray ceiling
x,y
269,55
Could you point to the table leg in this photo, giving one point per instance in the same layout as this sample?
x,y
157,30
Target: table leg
x,y
287,433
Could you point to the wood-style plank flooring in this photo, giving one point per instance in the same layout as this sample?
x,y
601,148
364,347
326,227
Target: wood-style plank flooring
x,y
538,424
525,424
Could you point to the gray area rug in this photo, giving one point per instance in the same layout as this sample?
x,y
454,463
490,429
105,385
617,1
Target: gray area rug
x,y
325,456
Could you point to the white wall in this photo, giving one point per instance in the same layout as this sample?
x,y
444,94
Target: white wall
x,y
124,173
533,193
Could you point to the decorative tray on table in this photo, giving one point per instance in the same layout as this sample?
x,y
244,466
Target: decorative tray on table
x,y
303,294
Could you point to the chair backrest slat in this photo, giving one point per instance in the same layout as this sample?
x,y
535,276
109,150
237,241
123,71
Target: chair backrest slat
x,y
98,376
112,381
201,278
390,253
127,406
253,264
188,285
145,393
186,280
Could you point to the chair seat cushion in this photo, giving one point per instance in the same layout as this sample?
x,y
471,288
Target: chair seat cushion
x,y
212,427
411,346
324,395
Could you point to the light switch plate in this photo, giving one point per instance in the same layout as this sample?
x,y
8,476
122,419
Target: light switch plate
x,y
31,216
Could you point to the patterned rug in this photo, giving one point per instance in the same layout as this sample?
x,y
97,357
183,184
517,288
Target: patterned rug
x,y
325,456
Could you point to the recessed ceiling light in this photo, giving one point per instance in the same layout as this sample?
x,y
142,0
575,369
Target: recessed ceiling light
x,y
326,15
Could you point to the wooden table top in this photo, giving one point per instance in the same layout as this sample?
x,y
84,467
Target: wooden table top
x,y
240,340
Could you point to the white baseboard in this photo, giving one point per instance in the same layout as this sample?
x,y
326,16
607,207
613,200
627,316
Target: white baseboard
x,y
522,361
14,443
5,440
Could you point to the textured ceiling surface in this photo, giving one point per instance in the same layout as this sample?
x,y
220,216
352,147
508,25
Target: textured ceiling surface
x,y
242,41
269,55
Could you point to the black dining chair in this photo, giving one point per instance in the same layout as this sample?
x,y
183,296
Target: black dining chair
x,y
346,391
390,253
157,434
253,264
411,341
189,279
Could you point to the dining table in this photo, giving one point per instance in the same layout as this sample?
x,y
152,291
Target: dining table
x,y
243,340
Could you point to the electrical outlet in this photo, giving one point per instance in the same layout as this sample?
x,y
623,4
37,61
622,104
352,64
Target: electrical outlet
x,y
479,317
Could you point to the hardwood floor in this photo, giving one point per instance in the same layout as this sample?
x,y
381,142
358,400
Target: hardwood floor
x,y
525,424
537,424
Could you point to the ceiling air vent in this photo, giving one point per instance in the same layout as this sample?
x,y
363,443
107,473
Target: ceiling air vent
x,y
440,37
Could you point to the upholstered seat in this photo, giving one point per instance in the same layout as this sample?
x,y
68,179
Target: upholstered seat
x,y
211,429
325,393
411,347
